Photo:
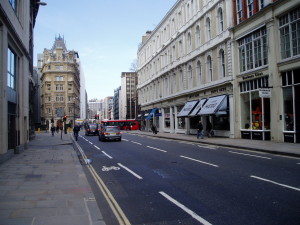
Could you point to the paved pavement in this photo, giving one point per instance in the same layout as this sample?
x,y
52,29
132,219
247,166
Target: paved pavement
x,y
46,185
289,149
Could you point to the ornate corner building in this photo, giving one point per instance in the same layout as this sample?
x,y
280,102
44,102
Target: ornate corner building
x,y
60,84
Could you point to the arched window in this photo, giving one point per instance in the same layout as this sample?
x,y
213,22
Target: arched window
x,y
190,74
222,63
181,80
199,72
197,36
209,69
189,47
208,29
220,19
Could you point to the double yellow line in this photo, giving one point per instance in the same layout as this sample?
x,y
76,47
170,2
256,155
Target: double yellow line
x,y
116,209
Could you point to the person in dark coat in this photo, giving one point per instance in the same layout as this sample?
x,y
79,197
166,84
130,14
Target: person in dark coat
x,y
208,128
200,130
154,129
52,130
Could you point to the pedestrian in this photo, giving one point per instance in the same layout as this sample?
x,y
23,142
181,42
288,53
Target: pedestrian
x,y
209,129
154,129
200,130
52,130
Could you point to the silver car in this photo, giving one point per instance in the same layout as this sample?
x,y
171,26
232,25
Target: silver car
x,y
110,133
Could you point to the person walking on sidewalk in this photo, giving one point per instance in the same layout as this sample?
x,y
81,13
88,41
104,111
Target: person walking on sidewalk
x,y
154,129
200,130
208,129
52,130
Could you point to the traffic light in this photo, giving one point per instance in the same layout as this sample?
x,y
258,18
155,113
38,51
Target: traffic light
x,y
65,118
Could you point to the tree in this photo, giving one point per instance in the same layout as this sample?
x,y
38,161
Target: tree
x,y
134,66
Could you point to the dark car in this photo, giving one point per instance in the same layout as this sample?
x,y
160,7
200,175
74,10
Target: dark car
x,y
91,129
110,133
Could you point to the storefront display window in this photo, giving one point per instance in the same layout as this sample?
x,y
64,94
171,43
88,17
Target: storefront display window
x,y
180,120
167,117
291,108
255,110
288,109
194,122
221,122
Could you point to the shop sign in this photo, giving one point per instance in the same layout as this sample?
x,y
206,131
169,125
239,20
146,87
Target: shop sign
x,y
265,93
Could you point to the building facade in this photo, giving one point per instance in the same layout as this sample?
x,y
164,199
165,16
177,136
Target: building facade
x,y
128,99
17,86
267,70
60,84
95,109
185,69
117,93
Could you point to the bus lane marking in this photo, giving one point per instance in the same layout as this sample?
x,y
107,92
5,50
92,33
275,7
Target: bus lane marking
x,y
210,164
156,149
130,171
184,208
96,147
273,182
107,154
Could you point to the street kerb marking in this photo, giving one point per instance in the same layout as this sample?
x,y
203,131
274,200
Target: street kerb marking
x,y
116,209
125,139
130,171
199,161
156,149
107,154
184,208
118,212
257,156
273,182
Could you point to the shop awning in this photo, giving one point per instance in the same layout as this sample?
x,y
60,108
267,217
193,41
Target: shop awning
x,y
198,107
187,109
151,113
213,105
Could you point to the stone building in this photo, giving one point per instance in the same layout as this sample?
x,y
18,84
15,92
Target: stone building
x,y
60,84
17,86
128,96
267,70
185,69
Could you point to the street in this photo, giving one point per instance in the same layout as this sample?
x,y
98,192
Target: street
x,y
156,181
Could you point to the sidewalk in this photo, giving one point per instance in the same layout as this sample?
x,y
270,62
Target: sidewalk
x,y
288,149
46,185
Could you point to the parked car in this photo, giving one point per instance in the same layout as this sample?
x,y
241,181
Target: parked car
x,y
91,129
110,133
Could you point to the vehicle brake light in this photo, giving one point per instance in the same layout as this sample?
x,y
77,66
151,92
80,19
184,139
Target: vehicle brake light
x,y
119,133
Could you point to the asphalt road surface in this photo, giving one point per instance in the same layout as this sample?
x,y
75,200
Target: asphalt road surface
x,y
153,181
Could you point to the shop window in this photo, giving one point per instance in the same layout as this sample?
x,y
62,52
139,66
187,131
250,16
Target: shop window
x,y
167,117
180,120
194,121
288,109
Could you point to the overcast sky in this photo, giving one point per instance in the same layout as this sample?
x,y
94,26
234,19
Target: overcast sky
x,y
105,33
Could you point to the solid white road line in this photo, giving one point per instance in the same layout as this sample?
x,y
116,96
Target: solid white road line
x,y
130,171
107,154
96,147
90,142
156,149
136,142
199,161
124,139
250,155
273,182
184,208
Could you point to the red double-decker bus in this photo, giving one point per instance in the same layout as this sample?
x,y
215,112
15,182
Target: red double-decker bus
x,y
122,124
